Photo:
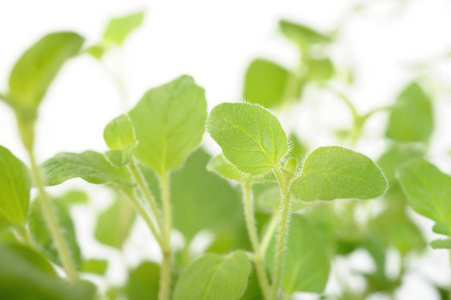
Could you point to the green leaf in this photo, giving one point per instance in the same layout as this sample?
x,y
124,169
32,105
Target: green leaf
x,y
251,137
214,277
306,264
441,244
169,123
89,165
97,51
221,166
32,75
143,282
15,186
42,236
338,173
25,274
120,137
119,28
265,83
320,69
95,266
427,190
301,34
114,224
412,118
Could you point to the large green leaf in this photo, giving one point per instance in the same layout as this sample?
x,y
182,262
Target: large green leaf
x,y
265,83
14,188
301,34
338,173
143,282
214,277
119,135
89,165
427,190
412,118
119,28
306,265
32,75
169,123
250,136
25,274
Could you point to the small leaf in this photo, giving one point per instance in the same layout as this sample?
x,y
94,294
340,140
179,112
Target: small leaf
x,y
89,165
15,186
114,224
169,123
412,117
265,83
95,266
119,28
338,173
221,166
143,282
427,190
120,137
214,277
320,69
306,264
97,51
441,244
250,136
34,72
302,35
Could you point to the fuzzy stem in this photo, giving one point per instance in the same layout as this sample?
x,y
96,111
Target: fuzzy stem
x,y
165,273
269,233
52,221
282,233
253,236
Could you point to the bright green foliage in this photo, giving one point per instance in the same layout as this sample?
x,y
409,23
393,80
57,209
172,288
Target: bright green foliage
x,y
269,200
14,188
114,224
251,137
338,173
25,274
265,83
143,282
42,236
32,75
169,123
119,28
214,277
89,165
301,34
427,189
320,69
412,117
441,244
306,264
119,135
95,266
221,166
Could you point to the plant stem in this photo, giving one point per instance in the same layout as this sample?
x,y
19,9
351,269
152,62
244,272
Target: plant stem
x,y
24,235
165,273
253,236
282,232
52,221
269,233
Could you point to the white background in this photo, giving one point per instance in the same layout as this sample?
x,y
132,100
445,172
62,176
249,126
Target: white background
x,y
213,41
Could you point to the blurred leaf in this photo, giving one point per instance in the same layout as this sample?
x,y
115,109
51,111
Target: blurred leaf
x,y
265,83
89,165
72,197
15,186
41,235
143,282
169,123
411,119
306,264
320,69
269,200
338,173
25,274
97,51
253,291
120,137
441,244
114,224
119,28
301,34
96,266
250,136
298,149
214,277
